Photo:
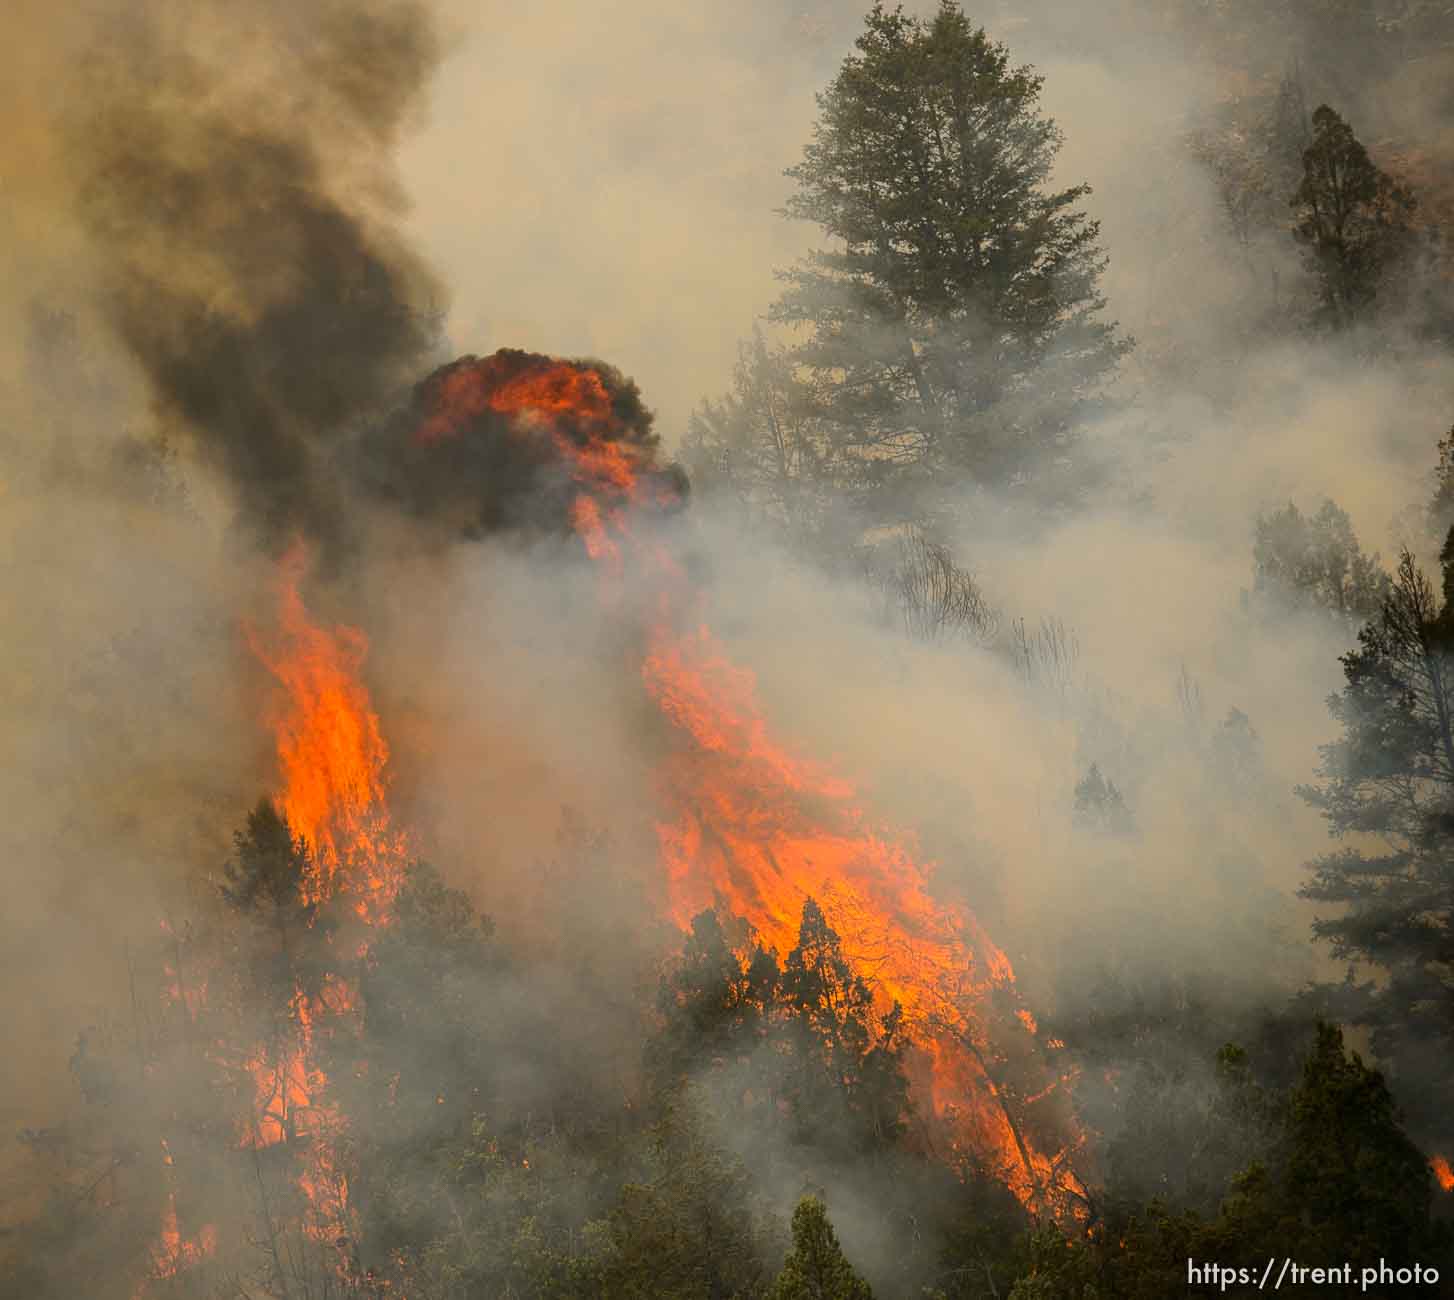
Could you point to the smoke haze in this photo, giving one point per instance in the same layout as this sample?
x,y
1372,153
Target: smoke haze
x,y
235,238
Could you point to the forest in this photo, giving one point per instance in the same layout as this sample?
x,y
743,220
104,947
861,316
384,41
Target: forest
x,y
786,654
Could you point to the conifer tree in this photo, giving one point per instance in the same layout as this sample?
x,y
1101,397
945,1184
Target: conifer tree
x,y
1387,782
953,322
1352,218
1314,561
816,1268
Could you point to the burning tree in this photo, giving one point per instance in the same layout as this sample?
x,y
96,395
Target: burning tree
x,y
747,826
329,1000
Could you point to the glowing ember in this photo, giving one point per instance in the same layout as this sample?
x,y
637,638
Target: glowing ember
x,y
1443,1174
172,1253
756,830
285,1082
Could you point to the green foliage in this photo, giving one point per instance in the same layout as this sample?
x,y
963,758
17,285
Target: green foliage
x,y
816,1268
981,1241
691,1228
1315,562
802,1044
1352,218
508,1220
955,319
1252,150
1390,775
424,1065
846,1062
269,864
1350,1174
1336,1178
1055,1269
1185,1134
715,1004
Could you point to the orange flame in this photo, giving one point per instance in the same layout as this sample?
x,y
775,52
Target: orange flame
x,y
757,830
1443,1174
333,761
331,753
172,1253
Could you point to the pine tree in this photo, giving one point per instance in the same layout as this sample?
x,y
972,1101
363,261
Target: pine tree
x,y
1352,219
847,1085
815,1268
1315,562
690,1227
1351,1175
715,1006
955,320
1390,776
269,864
1099,805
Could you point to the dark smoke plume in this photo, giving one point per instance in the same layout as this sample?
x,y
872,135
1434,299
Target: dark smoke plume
x,y
233,173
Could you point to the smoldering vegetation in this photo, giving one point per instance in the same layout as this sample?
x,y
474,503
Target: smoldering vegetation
x,y
1053,527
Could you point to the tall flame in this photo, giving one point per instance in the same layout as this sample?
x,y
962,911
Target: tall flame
x,y
332,760
331,752
753,828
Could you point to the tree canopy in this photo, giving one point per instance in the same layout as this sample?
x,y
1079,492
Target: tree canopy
x,y
1387,786
954,321
1352,220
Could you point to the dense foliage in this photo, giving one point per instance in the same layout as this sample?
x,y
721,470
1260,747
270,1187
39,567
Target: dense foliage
x,y
954,327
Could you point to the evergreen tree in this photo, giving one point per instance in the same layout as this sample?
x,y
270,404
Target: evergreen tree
x,y
1351,1175
1099,805
1252,148
1315,562
689,1228
1333,1177
954,324
805,1038
715,1005
425,1061
1352,219
269,865
847,1085
816,1268
1390,775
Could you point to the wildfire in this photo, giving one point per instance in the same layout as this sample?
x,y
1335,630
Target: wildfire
x,y
748,826
172,1253
331,753
752,827
332,759
287,1085
508,382
1443,1174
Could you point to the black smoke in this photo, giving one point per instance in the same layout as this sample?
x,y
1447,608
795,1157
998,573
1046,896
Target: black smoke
x,y
234,177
